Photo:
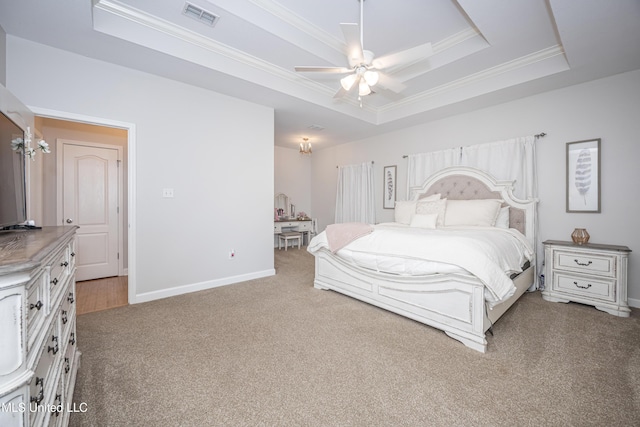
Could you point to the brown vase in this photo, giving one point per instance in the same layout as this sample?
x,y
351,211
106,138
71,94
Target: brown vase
x,y
580,236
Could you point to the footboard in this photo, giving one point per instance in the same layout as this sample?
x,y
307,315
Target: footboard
x,y
453,303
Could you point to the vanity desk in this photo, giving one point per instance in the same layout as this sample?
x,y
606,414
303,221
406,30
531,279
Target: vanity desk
x,y
301,225
285,218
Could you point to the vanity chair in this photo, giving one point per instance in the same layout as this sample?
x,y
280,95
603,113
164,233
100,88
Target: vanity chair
x,y
289,236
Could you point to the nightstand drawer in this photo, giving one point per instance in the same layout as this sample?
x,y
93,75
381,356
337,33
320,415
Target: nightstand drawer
x,y
595,288
585,263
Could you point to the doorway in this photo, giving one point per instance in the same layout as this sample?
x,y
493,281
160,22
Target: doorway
x,y
89,156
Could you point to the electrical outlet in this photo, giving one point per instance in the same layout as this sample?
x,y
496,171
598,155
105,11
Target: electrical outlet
x,y
232,254
167,192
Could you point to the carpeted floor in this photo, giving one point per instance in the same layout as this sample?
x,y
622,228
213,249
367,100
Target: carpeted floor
x,y
276,351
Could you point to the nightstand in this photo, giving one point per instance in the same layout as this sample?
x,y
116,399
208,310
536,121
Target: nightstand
x,y
589,274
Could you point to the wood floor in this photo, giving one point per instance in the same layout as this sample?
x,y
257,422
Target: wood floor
x,y
101,294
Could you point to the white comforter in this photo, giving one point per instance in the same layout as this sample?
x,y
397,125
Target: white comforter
x,y
491,254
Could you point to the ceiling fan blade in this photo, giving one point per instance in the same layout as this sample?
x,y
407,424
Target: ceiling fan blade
x,y
341,93
385,81
404,57
351,33
337,70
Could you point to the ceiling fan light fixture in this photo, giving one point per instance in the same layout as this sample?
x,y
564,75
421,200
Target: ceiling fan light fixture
x,y
305,147
348,81
363,88
371,77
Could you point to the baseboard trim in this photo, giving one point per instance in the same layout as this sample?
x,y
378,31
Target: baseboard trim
x,y
635,303
195,287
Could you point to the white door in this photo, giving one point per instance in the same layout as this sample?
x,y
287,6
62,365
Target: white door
x,y
90,201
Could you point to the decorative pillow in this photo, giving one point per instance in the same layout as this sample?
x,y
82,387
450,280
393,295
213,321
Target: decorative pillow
x,y
424,221
434,207
404,211
482,212
503,218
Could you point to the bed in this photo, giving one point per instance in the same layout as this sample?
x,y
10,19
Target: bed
x,y
441,293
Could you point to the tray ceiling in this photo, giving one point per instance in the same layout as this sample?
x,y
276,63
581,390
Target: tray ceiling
x,y
483,52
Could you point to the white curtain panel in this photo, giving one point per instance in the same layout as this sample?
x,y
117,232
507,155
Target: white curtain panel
x,y
422,166
355,195
513,159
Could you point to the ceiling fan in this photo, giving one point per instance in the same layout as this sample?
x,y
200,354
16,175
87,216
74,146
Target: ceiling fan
x,y
364,69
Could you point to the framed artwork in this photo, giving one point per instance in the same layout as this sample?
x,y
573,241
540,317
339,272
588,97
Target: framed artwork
x,y
389,187
583,176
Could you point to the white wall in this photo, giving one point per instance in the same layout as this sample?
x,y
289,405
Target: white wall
x,y
607,108
3,57
186,138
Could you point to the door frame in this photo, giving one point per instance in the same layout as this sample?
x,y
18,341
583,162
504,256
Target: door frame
x,y
131,179
60,142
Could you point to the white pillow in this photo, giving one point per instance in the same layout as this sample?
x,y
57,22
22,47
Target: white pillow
x,y
482,212
434,207
404,211
503,218
424,221
430,198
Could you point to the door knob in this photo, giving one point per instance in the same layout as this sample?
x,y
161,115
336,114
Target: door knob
x,y
69,220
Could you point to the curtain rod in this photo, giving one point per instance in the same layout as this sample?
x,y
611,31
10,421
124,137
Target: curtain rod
x,y
372,162
536,136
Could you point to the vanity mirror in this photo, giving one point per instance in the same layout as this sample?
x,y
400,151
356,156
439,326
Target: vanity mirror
x,y
282,206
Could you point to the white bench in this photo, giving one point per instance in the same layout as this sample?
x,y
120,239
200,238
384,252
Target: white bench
x,y
289,235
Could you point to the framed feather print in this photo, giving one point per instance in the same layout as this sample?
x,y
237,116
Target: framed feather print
x,y
389,187
583,176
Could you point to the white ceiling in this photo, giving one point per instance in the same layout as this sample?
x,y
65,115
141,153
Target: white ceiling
x,y
485,52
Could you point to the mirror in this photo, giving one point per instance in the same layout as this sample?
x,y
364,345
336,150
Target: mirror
x,y
281,206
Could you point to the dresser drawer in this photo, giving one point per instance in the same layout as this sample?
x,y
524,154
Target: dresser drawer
x,y
586,263
58,274
304,226
43,377
36,307
601,289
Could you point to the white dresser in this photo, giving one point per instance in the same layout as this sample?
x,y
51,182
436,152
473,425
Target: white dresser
x,y
303,226
39,357
589,274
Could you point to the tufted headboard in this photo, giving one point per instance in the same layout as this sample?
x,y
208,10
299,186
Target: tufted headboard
x,y
463,183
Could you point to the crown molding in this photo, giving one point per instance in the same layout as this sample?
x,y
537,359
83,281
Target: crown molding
x,y
475,78
286,15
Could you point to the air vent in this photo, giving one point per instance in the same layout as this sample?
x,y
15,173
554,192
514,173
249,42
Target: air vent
x,y
316,127
195,12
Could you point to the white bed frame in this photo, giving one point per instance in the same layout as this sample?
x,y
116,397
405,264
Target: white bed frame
x,y
454,303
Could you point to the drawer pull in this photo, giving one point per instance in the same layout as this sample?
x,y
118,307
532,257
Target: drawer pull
x,y
55,281
67,366
65,319
583,264
582,287
59,405
37,306
72,338
40,396
73,254
55,348
64,264
70,297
